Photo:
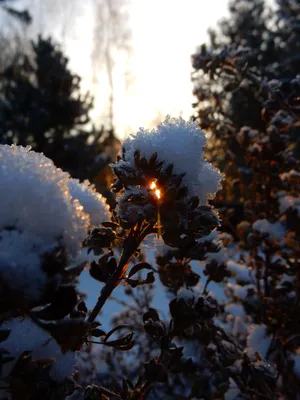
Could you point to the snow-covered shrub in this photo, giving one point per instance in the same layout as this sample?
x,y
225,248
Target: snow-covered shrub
x,y
163,177
180,144
41,211
37,216
229,327
45,217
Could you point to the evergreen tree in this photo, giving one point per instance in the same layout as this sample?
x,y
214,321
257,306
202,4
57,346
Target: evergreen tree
x,y
42,106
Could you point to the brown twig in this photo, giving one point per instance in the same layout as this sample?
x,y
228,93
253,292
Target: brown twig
x,y
131,244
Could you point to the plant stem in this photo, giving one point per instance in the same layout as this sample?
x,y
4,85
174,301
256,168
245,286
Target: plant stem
x,y
131,244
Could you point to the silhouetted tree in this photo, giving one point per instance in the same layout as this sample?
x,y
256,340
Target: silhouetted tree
x,y
42,106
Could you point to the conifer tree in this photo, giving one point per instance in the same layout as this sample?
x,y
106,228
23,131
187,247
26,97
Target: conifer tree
x,y
42,106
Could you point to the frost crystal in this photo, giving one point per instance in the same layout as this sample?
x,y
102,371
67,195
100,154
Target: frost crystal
x,y
182,144
93,203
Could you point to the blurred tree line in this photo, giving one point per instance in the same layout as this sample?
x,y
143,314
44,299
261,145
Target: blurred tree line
x,y
42,105
245,88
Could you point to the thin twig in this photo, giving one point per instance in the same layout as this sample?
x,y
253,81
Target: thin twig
x,y
131,244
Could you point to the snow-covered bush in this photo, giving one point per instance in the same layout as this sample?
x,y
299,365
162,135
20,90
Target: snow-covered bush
x,y
226,327
45,217
180,144
42,210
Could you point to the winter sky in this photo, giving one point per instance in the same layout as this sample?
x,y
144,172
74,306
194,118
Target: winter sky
x,y
164,35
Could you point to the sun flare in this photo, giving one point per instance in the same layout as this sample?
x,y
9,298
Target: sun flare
x,y
153,186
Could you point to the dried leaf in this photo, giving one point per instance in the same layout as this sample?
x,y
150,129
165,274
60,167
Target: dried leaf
x,y
138,267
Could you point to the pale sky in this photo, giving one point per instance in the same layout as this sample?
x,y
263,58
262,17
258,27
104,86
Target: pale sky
x,y
164,35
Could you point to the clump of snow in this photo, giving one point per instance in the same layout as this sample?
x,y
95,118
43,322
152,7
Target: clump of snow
x,y
241,271
187,295
182,144
276,229
93,203
220,256
235,309
25,335
236,318
37,214
242,291
258,340
35,199
20,258
214,235
286,202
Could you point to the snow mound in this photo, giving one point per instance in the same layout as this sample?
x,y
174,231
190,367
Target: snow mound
x,y
182,144
42,208
35,199
93,202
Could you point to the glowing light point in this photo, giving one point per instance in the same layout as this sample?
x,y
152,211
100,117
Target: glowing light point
x,y
153,185
157,191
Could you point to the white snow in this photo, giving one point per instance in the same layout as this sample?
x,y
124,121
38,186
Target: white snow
x,y
38,213
214,235
35,199
276,229
93,203
241,291
241,271
258,340
20,259
25,335
187,295
180,143
220,256
235,309
286,202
